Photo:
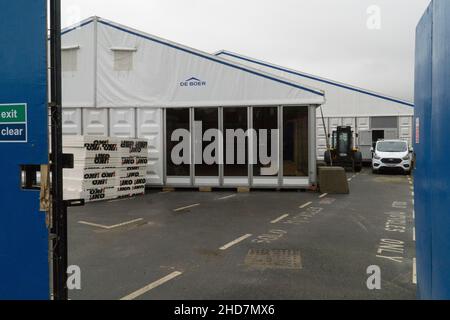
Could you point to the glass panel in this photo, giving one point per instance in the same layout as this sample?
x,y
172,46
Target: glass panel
x,y
235,143
207,121
295,141
178,151
266,118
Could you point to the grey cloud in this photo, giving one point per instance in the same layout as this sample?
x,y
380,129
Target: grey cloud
x,y
328,38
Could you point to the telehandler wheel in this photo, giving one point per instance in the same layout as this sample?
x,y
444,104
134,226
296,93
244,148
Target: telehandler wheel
x,y
358,161
327,157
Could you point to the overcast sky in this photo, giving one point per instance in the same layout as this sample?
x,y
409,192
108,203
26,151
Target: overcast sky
x,y
367,43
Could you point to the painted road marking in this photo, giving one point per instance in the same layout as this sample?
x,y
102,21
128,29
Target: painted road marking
x,y
227,197
414,234
152,286
280,218
349,179
110,227
305,205
187,207
323,195
414,214
234,242
414,273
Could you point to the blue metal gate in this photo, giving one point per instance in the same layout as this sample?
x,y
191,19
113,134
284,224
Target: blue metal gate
x,y
24,259
432,177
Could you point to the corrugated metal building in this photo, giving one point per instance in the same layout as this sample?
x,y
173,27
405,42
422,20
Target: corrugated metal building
x,y
122,82
371,115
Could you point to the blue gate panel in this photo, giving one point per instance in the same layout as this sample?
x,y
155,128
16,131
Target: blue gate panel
x,y
24,264
422,147
440,160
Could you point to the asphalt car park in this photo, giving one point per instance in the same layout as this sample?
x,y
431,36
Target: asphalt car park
x,y
256,245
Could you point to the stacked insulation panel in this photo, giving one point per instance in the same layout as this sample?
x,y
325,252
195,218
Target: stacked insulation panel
x,y
105,168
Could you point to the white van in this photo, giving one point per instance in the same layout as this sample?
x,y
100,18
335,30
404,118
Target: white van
x,y
392,154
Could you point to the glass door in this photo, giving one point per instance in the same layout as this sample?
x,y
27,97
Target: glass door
x,y
295,146
178,147
266,163
206,147
235,146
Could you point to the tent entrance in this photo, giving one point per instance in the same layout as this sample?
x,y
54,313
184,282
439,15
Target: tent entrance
x,y
267,146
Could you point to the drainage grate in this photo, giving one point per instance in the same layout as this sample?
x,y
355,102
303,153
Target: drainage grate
x,y
274,259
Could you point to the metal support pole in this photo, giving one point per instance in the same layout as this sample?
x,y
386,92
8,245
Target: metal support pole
x,y
59,209
326,136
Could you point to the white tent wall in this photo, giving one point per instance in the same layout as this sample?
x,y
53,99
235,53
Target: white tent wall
x,y
345,104
160,67
136,77
78,60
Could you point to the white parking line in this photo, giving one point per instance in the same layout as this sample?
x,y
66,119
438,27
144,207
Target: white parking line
x,y
109,227
323,195
152,286
234,242
414,273
187,207
280,218
305,205
227,197
414,234
414,214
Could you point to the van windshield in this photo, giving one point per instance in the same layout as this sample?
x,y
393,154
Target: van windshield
x,y
392,146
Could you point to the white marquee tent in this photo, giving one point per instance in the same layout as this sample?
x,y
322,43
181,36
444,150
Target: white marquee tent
x,y
118,81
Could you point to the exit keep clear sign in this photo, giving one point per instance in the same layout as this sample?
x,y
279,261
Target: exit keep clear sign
x,y
13,122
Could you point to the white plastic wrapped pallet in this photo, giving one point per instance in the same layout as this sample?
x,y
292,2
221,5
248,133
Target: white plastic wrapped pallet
x,y
105,168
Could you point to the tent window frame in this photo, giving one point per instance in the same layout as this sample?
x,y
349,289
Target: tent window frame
x,y
69,58
123,59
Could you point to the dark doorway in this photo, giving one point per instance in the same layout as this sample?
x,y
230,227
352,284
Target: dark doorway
x,y
377,135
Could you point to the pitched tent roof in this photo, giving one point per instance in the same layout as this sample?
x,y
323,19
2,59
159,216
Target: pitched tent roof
x,y
161,73
342,99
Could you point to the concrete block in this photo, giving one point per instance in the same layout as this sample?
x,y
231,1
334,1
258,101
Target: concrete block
x,y
333,180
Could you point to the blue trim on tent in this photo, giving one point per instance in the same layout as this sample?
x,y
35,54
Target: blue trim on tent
x,y
76,27
210,58
317,79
